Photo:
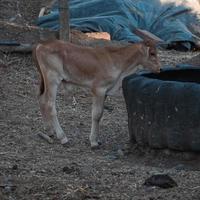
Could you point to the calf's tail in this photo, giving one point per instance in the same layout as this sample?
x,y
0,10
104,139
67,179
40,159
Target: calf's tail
x,y
36,60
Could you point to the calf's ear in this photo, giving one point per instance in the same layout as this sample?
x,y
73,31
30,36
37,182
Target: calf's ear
x,y
153,43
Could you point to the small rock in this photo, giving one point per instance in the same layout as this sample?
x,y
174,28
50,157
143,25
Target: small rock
x,y
120,153
180,167
81,123
167,152
9,185
70,169
188,156
79,194
115,154
160,180
112,157
14,167
108,108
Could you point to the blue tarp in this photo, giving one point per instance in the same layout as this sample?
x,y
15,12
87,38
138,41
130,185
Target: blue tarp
x,y
119,18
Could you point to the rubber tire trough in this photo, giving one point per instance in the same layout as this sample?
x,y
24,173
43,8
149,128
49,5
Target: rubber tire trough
x,y
164,109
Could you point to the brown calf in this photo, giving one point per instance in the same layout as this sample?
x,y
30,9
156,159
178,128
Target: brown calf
x,y
100,69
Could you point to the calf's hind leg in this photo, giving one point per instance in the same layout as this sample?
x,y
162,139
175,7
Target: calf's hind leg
x,y
97,112
48,109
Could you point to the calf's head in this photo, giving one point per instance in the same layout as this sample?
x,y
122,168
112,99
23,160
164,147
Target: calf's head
x,y
150,59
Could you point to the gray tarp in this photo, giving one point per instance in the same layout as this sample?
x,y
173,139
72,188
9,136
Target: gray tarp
x,y
168,21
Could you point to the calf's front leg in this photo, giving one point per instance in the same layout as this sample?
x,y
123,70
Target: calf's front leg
x,y
97,112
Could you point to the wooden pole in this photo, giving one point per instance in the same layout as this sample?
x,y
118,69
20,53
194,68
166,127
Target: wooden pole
x,y
64,33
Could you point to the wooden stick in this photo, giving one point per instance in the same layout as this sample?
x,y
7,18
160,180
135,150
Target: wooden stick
x,y
64,20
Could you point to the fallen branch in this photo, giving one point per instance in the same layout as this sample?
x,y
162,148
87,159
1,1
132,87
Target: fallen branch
x,y
21,48
23,34
14,25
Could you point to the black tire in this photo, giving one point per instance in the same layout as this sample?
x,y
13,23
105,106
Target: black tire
x,y
164,109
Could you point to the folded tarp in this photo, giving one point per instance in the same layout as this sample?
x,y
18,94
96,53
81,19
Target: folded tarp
x,y
170,20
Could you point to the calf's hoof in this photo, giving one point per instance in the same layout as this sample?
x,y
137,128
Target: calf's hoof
x,y
95,145
64,141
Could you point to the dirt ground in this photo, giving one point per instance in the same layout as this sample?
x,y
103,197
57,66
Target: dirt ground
x,y
32,169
